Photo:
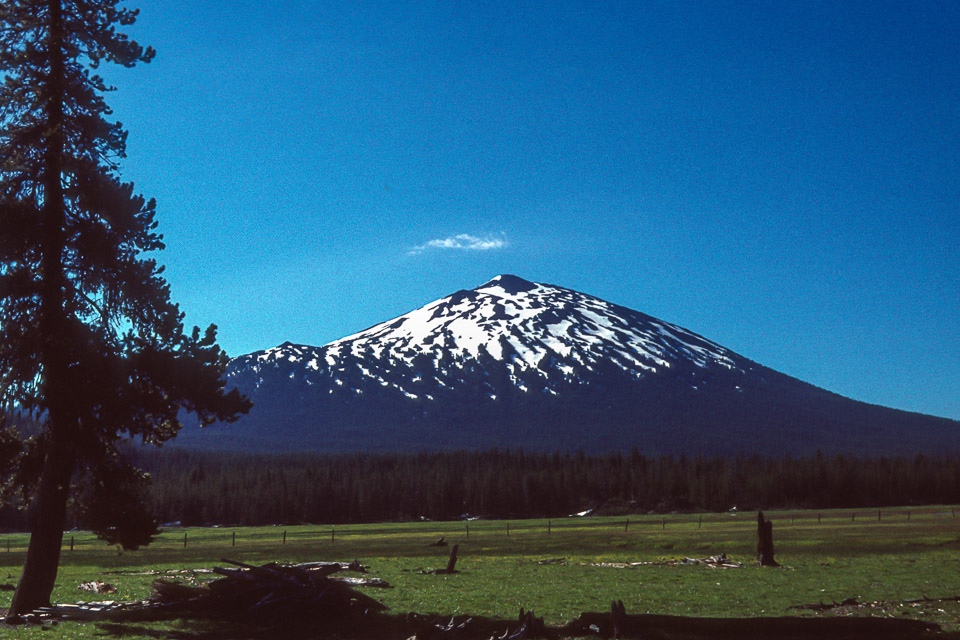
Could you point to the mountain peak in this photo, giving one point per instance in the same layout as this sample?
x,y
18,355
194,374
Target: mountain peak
x,y
516,363
509,283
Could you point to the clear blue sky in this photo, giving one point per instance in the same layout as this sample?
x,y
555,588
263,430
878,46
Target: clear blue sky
x,y
780,177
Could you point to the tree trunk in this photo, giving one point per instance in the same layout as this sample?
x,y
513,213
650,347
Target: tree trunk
x,y
46,534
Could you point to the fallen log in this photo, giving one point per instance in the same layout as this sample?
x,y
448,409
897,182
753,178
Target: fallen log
x,y
332,567
169,591
363,582
920,600
853,602
720,561
157,572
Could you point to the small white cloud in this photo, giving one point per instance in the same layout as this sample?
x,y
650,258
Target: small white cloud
x,y
462,241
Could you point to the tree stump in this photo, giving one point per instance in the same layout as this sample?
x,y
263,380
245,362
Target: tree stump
x,y
452,562
765,542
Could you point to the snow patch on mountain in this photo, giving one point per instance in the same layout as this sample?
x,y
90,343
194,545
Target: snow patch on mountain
x,y
536,334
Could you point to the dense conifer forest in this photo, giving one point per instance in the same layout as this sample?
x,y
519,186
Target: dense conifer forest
x,y
205,488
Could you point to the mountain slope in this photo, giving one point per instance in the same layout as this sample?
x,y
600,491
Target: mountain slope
x,y
518,364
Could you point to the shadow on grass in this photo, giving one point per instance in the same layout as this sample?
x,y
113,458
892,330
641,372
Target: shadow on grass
x,y
373,627
650,627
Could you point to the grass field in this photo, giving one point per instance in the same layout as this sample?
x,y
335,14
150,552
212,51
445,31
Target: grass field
x,y
828,556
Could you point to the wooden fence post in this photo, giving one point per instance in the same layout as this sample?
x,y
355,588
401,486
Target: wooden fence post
x,y
184,539
333,534
233,539
663,524
284,537
71,543
700,522
626,525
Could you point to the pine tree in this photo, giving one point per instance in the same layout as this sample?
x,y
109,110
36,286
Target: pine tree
x,y
90,342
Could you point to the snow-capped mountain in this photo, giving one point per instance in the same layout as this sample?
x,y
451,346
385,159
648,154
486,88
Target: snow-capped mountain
x,y
542,336
518,364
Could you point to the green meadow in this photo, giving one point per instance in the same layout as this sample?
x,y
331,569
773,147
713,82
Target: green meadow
x,y
887,557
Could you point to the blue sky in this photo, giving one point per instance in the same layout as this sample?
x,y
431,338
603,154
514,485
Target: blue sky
x,y
782,178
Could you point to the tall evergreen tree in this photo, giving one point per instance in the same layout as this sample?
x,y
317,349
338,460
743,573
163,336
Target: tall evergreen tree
x,y
90,342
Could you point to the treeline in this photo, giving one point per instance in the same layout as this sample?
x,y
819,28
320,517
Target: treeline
x,y
206,488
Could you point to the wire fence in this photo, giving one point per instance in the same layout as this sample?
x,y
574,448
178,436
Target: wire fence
x,y
277,535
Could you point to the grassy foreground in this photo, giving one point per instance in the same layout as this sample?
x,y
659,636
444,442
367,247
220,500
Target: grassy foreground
x,y
899,554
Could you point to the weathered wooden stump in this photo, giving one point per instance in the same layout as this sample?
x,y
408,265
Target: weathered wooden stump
x,y
765,542
452,562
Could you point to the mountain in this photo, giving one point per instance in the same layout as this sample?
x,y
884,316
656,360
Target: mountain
x,y
514,363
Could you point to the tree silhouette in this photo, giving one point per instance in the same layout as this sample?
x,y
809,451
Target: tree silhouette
x,y
90,343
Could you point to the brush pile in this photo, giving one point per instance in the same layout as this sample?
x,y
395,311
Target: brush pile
x,y
244,591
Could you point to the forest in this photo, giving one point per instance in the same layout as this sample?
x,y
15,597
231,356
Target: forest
x,y
198,488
